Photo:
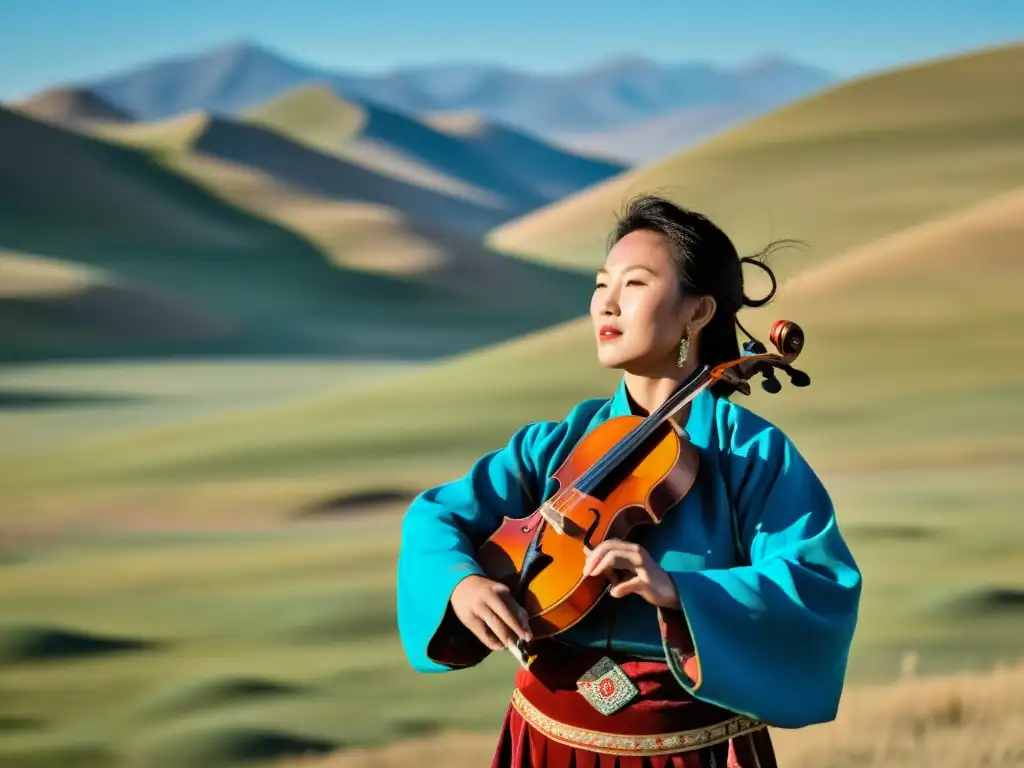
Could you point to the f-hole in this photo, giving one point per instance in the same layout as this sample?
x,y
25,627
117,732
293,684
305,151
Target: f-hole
x,y
534,561
593,527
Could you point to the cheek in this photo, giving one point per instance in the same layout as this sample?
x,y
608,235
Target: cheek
x,y
655,314
665,331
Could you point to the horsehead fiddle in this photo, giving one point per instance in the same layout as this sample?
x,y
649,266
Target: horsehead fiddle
x,y
627,471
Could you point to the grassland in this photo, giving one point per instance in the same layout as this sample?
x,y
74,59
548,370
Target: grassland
x,y
223,590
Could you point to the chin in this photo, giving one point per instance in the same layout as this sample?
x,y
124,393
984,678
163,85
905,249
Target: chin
x,y
608,359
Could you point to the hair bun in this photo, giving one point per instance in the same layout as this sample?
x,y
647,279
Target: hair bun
x,y
748,302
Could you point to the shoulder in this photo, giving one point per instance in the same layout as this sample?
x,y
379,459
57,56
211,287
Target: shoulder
x,y
767,476
744,433
580,419
544,440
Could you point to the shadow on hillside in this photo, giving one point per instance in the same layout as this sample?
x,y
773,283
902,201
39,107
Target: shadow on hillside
x,y
329,176
44,643
450,155
361,501
520,168
26,400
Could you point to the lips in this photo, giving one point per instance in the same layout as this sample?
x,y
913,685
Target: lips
x,y
608,333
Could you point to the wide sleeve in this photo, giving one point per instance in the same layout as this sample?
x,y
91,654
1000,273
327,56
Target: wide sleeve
x,y
771,638
441,532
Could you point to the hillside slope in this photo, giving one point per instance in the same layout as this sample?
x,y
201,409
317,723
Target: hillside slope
x,y
519,171
886,304
300,164
74,198
841,168
71,106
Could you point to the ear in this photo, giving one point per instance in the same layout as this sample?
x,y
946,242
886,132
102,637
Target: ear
x,y
703,311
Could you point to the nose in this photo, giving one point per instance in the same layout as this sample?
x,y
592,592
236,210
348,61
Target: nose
x,y
608,304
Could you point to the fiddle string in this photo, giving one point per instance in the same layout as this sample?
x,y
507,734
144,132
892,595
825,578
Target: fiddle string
x,y
644,430
565,497
634,439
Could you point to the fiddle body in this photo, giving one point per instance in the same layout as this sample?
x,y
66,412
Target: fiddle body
x,y
540,558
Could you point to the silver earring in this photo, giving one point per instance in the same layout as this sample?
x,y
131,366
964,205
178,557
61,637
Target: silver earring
x,y
684,351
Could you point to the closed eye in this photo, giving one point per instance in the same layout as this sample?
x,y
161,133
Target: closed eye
x,y
635,282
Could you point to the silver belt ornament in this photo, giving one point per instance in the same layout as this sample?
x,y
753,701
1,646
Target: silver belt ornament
x,y
607,687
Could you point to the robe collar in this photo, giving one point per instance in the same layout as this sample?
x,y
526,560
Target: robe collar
x,y
698,425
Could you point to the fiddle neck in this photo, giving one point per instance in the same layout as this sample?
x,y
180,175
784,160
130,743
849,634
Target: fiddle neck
x,y
649,393
692,386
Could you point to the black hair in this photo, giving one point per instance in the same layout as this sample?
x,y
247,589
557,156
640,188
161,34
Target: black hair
x,y
708,264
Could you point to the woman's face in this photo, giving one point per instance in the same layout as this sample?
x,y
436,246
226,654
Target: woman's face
x,y
638,313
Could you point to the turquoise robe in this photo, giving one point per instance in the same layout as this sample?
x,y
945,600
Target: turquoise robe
x,y
769,589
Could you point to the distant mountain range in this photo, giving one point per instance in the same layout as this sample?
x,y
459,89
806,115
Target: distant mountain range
x,y
616,99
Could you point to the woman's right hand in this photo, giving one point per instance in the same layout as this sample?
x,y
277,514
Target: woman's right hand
x,y
487,609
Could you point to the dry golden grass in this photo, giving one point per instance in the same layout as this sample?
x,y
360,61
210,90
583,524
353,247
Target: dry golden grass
x,y
958,721
456,123
24,275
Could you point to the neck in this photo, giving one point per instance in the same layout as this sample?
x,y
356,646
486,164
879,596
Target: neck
x,y
649,392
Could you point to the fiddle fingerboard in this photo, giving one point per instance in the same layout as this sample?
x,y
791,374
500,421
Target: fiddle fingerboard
x,y
617,461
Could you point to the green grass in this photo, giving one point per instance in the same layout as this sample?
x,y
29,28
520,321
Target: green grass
x,y
48,406
241,636
836,170
289,632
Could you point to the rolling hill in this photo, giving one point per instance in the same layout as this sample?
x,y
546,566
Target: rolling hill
x,y
71,197
878,321
49,308
312,170
845,167
71,106
238,76
305,162
512,171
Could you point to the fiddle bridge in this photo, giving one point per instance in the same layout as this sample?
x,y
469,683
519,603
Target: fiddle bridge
x,y
553,517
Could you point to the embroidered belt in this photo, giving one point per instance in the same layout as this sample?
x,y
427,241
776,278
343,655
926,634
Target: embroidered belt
x,y
624,744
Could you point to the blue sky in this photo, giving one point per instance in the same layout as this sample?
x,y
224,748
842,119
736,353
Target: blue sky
x,y
44,42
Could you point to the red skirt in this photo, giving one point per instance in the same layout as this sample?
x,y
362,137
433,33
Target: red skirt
x,y
551,724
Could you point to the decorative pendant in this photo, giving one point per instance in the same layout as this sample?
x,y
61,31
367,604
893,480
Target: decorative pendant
x,y
607,687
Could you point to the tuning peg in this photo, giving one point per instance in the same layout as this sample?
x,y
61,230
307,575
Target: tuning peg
x,y
770,384
754,348
798,378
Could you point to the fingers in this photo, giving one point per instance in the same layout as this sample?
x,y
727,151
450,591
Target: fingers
x,y
499,626
632,554
618,560
510,612
483,633
634,586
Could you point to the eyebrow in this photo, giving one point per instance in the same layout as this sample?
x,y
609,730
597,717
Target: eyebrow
x,y
602,270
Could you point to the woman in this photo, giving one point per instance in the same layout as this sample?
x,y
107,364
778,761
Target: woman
x,y
735,613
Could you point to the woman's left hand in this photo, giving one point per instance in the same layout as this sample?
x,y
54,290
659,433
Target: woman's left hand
x,y
643,576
